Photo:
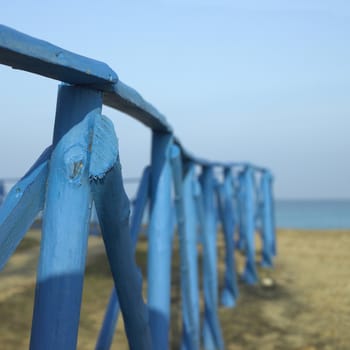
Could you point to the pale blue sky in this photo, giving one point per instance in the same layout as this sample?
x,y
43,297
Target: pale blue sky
x,y
264,81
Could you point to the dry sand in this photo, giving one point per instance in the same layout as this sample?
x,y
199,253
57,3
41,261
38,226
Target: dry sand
x,y
308,307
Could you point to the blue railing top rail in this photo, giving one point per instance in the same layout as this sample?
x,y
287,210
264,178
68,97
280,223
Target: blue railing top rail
x,y
21,51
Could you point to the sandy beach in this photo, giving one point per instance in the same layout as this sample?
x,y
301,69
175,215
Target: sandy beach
x,y
307,308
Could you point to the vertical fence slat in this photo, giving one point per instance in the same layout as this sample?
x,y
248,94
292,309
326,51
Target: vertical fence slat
x,y
160,235
211,328
2,192
273,216
189,287
250,275
192,239
240,244
226,209
267,228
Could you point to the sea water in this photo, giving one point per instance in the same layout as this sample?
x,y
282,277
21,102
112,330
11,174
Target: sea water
x,y
313,214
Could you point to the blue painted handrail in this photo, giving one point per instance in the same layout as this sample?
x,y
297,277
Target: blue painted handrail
x,y
82,168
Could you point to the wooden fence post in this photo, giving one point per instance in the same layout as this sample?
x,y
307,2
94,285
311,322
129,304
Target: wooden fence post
x,y
226,210
160,235
273,215
65,223
250,275
192,241
241,241
211,328
2,191
267,220
187,243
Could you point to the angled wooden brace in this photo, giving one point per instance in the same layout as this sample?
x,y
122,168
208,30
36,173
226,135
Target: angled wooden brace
x,y
112,206
22,205
111,317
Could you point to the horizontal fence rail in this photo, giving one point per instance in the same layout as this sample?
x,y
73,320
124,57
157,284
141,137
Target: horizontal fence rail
x,y
193,197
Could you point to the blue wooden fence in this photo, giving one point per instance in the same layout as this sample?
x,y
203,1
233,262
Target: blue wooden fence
x,y
183,191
